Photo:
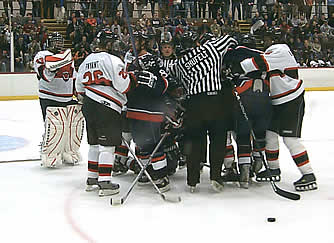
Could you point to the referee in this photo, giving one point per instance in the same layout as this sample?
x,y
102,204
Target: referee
x,y
208,106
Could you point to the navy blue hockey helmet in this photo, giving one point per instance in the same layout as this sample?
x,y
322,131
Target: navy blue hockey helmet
x,y
205,37
189,39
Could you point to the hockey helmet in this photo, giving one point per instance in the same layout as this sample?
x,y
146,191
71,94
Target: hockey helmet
x,y
55,41
205,37
189,39
104,36
247,40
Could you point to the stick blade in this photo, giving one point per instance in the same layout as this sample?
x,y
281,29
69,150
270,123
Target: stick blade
x,y
172,199
116,201
286,194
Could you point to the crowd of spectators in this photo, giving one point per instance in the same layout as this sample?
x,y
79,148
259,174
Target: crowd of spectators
x,y
310,34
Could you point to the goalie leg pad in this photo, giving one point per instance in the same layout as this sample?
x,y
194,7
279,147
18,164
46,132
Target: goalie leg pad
x,y
75,125
54,137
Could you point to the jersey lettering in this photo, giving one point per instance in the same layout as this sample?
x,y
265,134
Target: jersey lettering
x,y
96,78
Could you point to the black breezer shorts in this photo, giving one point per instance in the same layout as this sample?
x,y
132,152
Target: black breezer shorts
x,y
287,118
103,124
45,103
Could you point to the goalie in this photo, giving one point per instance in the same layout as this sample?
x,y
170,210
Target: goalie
x,y
62,115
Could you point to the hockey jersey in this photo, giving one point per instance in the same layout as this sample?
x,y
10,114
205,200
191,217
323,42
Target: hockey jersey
x,y
57,85
282,69
146,103
255,83
102,78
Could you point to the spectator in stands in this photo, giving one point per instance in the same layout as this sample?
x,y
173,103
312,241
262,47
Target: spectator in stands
x,y
156,23
247,6
48,7
36,8
308,8
7,5
302,21
256,18
166,36
140,5
125,36
19,51
91,20
201,8
298,44
100,18
215,28
189,6
260,5
318,7
116,28
119,18
236,5
316,47
4,61
331,20
267,19
307,53
325,29
322,19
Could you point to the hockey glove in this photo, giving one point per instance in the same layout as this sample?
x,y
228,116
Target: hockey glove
x,y
146,78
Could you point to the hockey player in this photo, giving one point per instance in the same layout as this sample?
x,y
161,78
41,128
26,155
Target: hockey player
x,y
103,83
254,92
287,94
62,115
145,109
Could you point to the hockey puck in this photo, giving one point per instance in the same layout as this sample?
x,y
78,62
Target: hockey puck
x,y
271,219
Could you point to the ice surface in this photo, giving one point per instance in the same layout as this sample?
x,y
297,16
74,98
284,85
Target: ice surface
x,y
50,205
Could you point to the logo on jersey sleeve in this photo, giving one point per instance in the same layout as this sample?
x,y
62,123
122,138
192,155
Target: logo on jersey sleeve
x,y
65,72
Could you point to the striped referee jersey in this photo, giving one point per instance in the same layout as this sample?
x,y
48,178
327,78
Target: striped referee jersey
x,y
200,68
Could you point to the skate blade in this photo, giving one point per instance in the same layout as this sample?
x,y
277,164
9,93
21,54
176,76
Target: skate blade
x,y
91,188
164,189
217,187
244,185
306,187
267,179
107,192
118,173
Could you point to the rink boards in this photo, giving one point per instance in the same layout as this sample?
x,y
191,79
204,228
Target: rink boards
x,y
24,86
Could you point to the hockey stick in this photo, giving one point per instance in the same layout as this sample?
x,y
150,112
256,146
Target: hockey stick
x,y
279,191
133,43
121,200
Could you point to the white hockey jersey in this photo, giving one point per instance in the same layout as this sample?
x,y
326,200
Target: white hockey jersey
x,y
282,69
57,85
102,78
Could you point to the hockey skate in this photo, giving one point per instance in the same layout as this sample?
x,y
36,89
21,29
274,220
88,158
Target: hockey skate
x,y
107,188
217,184
256,164
162,184
91,185
244,175
119,168
265,175
230,175
306,183
143,180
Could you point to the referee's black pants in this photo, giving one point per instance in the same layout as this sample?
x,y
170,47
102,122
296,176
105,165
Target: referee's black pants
x,y
207,115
